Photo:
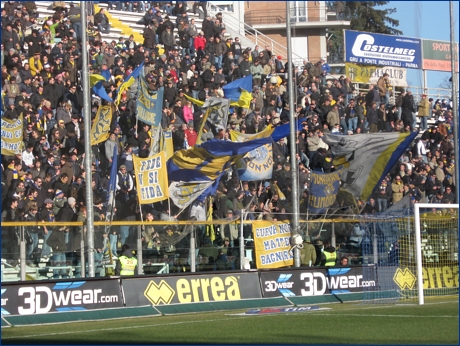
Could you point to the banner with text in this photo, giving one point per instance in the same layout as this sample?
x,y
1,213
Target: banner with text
x,y
12,136
436,55
271,243
149,107
368,74
386,50
323,190
190,289
184,193
101,125
151,178
317,281
40,297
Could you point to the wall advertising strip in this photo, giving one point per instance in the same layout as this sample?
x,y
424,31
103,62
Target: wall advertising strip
x,y
436,55
386,50
271,243
317,281
29,298
368,74
190,289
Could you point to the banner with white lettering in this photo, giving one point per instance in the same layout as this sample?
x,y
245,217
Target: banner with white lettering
x,y
385,50
368,74
101,125
271,243
42,297
12,136
151,178
307,282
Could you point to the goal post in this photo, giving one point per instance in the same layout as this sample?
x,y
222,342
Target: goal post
x,y
439,225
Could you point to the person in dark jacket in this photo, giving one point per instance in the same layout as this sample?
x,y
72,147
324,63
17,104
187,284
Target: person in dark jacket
x,y
373,118
149,37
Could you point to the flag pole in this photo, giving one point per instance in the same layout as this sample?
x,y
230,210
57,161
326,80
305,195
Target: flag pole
x,y
140,267
86,112
292,138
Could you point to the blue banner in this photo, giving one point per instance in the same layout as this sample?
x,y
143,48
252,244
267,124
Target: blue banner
x,y
323,190
149,107
384,50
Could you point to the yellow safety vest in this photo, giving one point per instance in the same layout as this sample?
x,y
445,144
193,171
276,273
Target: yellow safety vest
x,y
330,258
128,265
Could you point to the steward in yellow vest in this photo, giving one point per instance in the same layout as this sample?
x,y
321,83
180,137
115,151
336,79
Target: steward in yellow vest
x,y
127,263
329,255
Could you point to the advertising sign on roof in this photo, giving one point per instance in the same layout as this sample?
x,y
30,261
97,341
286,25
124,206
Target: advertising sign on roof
x,y
383,50
436,55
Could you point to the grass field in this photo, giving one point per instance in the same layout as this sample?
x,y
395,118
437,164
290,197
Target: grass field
x,y
436,322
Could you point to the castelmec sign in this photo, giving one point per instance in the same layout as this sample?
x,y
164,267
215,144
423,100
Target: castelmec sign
x,y
384,50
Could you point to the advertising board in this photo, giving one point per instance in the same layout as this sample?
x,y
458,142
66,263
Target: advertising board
x,y
317,282
29,298
436,55
383,50
190,289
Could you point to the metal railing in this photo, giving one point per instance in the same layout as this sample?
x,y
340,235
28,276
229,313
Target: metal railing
x,y
298,15
253,35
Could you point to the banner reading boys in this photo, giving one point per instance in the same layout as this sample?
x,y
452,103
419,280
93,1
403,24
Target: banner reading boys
x,y
12,136
271,243
151,178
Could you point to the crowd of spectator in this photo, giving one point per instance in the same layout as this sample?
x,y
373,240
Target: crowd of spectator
x,y
42,76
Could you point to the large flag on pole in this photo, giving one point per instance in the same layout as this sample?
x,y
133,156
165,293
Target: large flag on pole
x,y
128,81
239,92
367,157
216,114
101,125
208,160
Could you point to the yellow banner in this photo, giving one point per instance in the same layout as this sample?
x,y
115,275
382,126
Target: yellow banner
x,y
12,136
369,74
101,126
271,243
151,178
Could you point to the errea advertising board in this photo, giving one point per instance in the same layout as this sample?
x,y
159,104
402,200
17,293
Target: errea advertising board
x,y
190,289
383,50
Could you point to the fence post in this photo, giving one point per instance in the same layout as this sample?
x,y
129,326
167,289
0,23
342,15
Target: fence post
x,y
22,255
242,257
140,267
192,250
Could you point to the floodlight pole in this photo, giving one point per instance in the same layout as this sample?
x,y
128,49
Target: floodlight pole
x,y
86,112
453,62
292,138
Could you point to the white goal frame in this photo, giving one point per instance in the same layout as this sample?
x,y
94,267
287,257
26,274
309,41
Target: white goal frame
x,y
418,242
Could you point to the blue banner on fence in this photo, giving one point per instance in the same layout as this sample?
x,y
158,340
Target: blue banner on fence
x,y
386,50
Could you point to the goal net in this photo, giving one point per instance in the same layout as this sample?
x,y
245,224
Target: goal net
x,y
413,253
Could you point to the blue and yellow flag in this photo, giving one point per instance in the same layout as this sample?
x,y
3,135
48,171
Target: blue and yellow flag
x,y
194,101
101,125
94,78
367,157
208,160
323,190
100,91
239,92
258,163
128,81
149,107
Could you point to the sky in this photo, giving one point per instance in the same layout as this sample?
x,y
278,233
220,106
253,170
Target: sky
x,y
429,20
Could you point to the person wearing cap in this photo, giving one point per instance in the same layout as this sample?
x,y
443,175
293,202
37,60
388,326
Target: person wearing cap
x,y
230,230
424,111
124,184
307,253
47,215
